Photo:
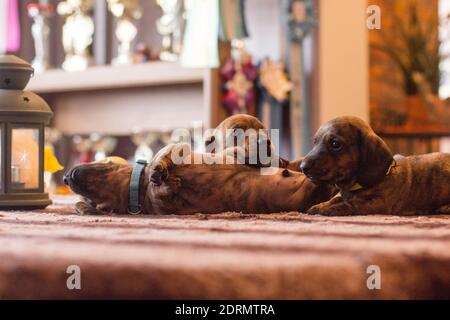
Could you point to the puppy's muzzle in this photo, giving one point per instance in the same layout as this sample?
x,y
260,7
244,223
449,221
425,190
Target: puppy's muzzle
x,y
311,170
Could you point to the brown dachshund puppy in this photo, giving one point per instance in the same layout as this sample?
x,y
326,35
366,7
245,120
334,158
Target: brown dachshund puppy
x,y
348,154
168,188
226,134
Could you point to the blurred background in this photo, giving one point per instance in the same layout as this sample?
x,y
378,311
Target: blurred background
x,y
121,75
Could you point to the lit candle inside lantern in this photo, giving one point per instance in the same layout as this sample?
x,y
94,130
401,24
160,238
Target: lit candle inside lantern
x,y
24,159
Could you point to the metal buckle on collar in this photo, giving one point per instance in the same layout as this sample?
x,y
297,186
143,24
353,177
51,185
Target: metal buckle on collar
x,y
135,212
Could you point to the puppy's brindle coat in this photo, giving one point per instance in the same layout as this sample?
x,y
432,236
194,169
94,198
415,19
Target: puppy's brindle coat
x,y
194,188
348,154
200,188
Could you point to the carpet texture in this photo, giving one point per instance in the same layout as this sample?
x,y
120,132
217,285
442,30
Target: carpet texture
x,y
225,256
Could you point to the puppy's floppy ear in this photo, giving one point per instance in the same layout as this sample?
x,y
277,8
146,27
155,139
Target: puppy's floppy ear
x,y
375,159
283,163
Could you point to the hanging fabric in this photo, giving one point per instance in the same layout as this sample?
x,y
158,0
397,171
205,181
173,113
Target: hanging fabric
x,y
232,20
3,25
200,48
9,26
13,27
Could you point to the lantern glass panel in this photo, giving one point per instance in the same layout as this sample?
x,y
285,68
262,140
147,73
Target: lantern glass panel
x,y
25,158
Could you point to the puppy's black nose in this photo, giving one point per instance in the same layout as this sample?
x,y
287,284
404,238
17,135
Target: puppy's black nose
x,y
70,176
305,167
66,179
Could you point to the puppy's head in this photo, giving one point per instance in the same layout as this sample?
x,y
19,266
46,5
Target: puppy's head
x,y
105,185
346,150
223,134
244,131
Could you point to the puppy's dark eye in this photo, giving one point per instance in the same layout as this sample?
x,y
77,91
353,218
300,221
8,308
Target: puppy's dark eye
x,y
335,145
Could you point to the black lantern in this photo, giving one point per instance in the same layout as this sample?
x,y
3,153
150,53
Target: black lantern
x,y
23,116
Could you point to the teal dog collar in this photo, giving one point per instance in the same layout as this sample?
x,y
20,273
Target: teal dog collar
x,y
134,206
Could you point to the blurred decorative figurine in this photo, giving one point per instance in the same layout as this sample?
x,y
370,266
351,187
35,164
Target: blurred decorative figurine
x,y
274,88
83,146
40,31
144,141
51,163
142,53
239,75
126,12
94,147
274,79
78,31
102,146
171,27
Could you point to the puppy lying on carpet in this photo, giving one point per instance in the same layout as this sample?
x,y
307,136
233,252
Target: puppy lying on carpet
x,y
168,188
348,154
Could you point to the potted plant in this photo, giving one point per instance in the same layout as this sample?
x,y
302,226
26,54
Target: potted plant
x,y
413,45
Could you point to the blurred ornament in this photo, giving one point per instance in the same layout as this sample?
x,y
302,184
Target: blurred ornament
x,y
142,54
126,13
144,140
301,19
83,146
102,146
52,135
94,148
171,28
165,136
239,75
275,80
40,31
78,31
274,88
51,163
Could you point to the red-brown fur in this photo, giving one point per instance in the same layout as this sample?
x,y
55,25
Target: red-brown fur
x,y
347,151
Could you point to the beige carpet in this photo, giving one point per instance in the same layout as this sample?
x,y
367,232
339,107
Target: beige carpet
x,y
227,256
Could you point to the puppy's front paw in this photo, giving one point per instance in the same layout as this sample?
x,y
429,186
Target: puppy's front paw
x,y
83,208
330,210
444,209
315,210
321,209
159,173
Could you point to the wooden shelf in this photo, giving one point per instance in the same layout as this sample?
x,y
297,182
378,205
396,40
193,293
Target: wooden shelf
x,y
112,77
